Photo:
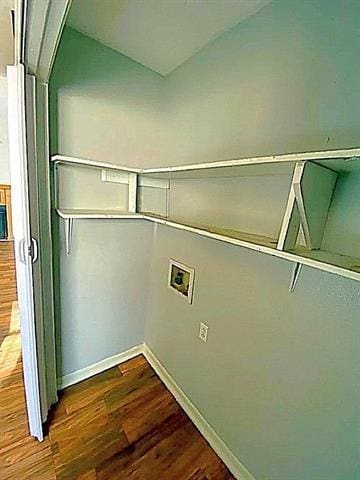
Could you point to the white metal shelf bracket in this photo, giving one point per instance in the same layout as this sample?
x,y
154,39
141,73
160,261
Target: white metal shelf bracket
x,y
295,276
69,222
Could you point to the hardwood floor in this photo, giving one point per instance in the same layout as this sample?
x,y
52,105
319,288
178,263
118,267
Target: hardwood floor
x,y
122,424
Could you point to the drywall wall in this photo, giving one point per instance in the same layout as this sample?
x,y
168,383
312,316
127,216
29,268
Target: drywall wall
x,y
342,231
4,152
83,188
104,107
277,377
285,80
103,291
253,204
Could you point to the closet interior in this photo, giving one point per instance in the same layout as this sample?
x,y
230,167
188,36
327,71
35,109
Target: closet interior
x,y
239,160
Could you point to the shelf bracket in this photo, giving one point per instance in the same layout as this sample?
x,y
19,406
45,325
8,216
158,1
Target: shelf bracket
x,y
295,276
68,234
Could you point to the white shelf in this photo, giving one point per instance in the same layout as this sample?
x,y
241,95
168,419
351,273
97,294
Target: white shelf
x,y
244,239
346,160
63,159
345,266
330,262
351,264
96,214
321,156
69,215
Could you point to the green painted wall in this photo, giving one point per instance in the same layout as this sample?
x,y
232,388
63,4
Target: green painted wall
x,y
277,378
102,107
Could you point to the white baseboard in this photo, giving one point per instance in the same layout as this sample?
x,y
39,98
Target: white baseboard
x,y
99,367
218,445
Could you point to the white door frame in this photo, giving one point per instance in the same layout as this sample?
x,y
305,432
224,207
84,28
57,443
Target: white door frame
x,y
45,20
25,246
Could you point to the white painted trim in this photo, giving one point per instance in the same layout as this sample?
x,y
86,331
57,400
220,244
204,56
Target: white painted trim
x,y
45,23
36,23
217,444
95,368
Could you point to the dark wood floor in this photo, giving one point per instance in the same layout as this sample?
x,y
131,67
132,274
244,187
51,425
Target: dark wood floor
x,y
120,425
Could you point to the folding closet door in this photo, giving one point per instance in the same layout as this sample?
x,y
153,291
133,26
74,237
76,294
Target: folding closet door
x,y
25,201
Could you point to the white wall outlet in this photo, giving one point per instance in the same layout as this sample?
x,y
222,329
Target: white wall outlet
x,y
203,332
114,176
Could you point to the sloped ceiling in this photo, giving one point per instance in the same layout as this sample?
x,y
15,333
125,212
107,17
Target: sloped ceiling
x,y
160,34
6,36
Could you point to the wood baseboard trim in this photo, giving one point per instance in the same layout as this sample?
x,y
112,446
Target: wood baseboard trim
x,y
99,367
234,465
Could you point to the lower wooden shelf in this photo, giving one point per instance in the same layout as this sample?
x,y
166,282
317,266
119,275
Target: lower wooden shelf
x,y
94,214
338,264
69,215
241,238
330,258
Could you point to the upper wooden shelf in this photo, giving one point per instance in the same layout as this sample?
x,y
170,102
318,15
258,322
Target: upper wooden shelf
x,y
63,159
311,189
93,214
322,157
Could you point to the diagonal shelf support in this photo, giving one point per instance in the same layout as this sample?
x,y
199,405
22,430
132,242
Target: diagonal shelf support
x,y
295,276
69,222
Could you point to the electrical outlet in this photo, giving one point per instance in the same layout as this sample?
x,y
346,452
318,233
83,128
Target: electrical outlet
x,y
203,332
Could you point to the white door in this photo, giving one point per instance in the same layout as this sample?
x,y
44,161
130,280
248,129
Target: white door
x,y
25,246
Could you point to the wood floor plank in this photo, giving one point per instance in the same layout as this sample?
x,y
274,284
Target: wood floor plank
x,y
120,462
27,459
122,424
91,475
132,388
144,414
133,364
79,396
